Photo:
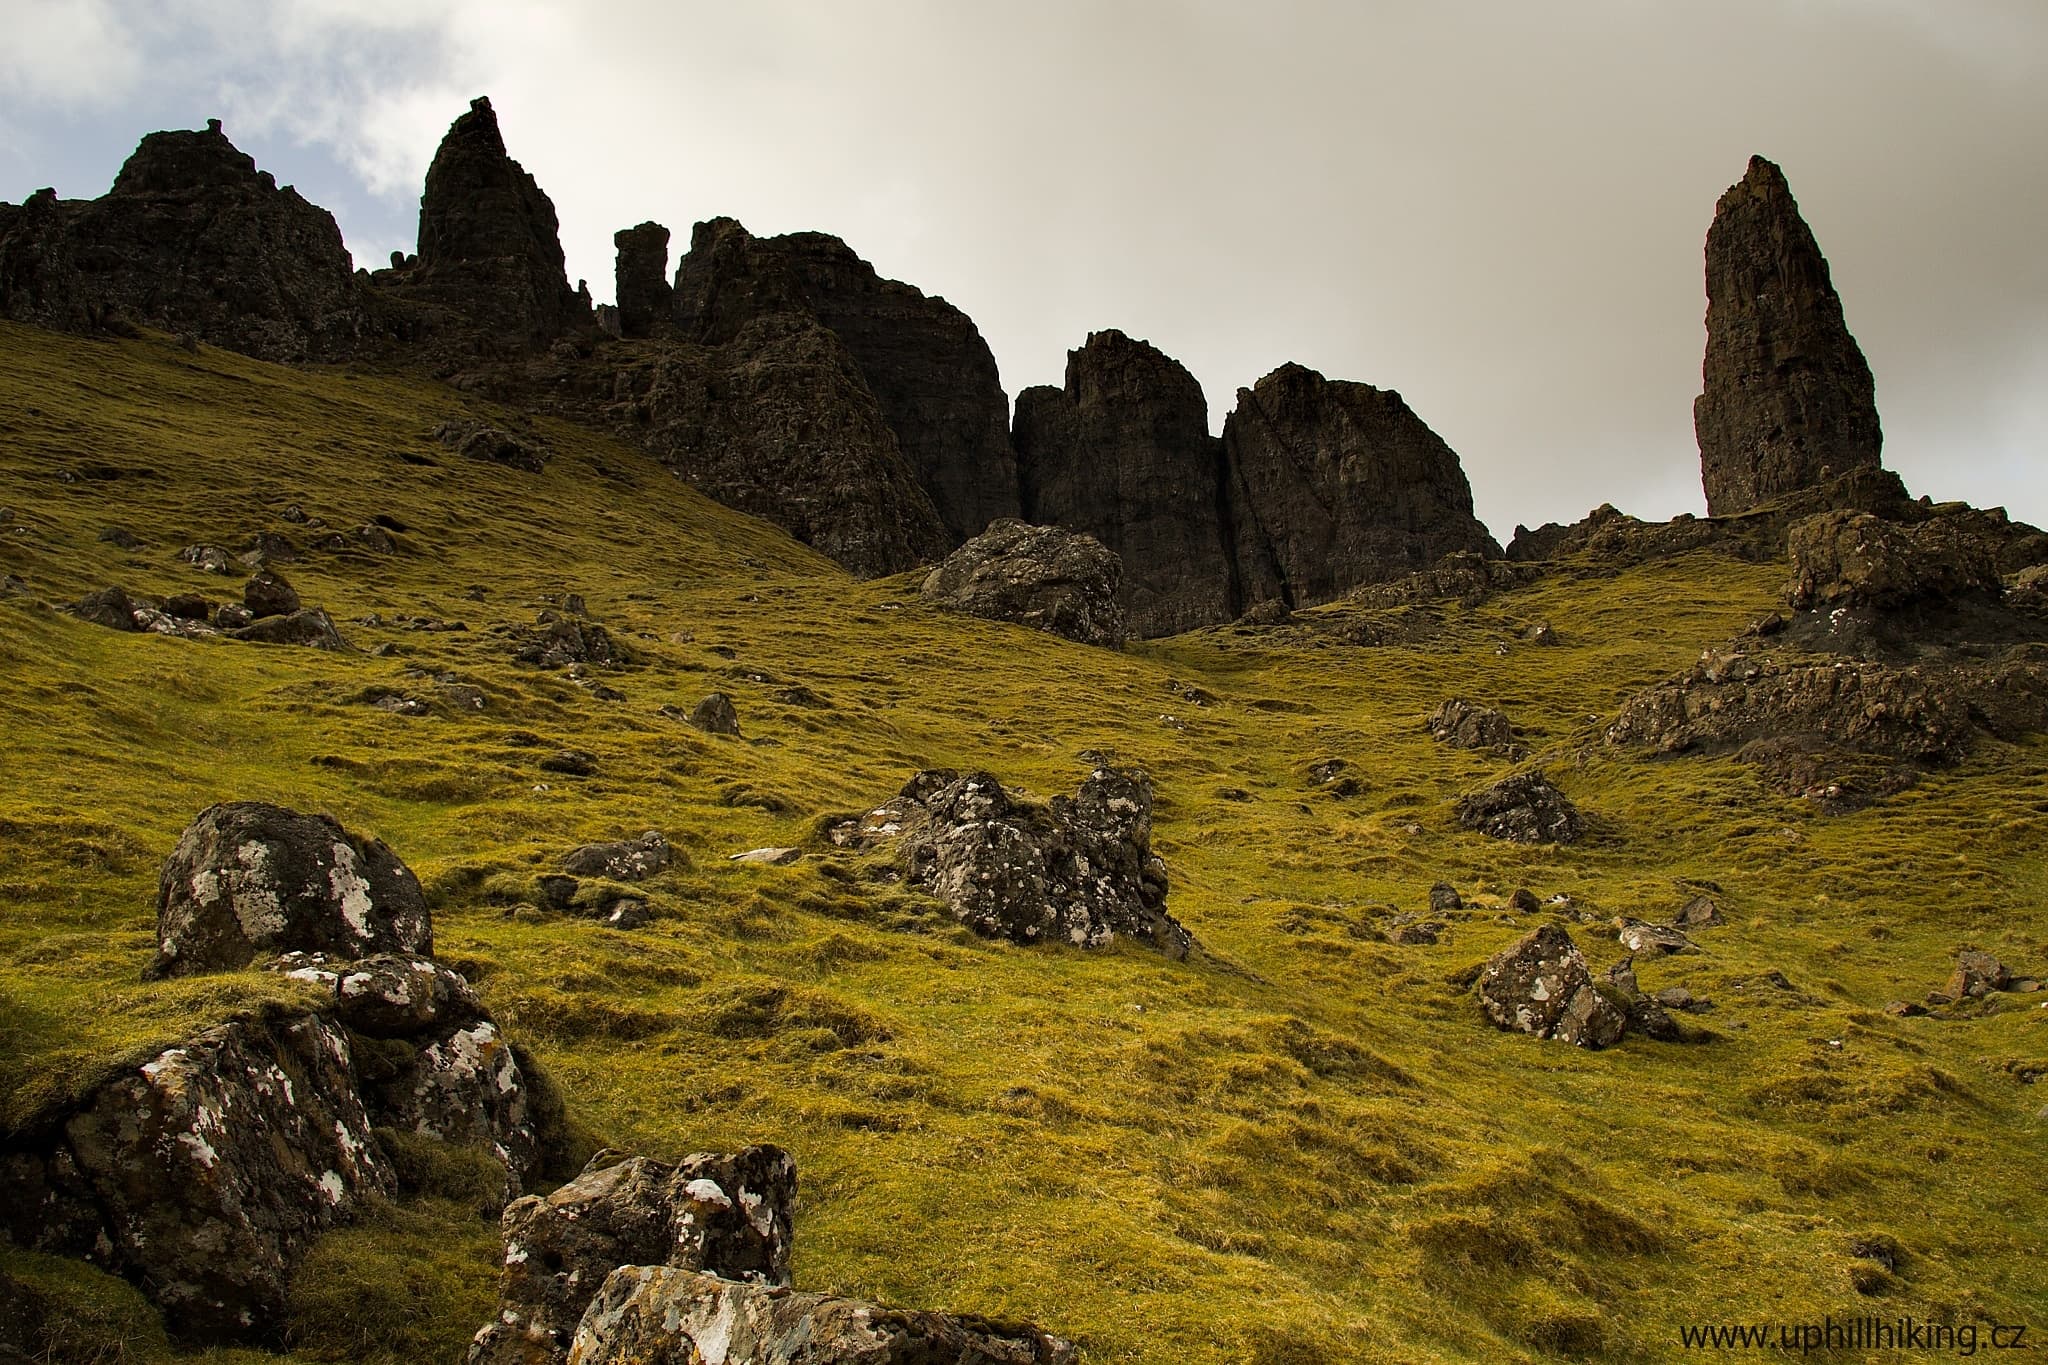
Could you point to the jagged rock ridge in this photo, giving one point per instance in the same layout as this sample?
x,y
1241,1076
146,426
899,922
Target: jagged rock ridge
x,y
1788,399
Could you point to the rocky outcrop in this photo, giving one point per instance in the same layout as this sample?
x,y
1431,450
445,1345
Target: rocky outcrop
x,y
191,238
923,361
250,880
490,247
1524,808
1788,398
1332,484
1044,577
659,1315
719,1215
1467,725
628,860
1849,559
1541,985
1080,871
1123,452
645,297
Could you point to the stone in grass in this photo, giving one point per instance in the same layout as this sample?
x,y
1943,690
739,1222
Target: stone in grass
x,y
1443,896
307,626
1977,975
570,762
628,860
250,880
715,715
776,857
269,594
1524,808
1541,985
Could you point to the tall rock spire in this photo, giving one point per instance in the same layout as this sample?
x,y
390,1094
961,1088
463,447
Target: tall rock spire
x,y
1788,400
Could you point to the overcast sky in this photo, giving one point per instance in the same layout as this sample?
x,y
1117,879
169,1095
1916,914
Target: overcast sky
x,y
1494,206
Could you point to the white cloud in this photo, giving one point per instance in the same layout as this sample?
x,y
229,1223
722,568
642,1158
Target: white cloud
x,y
66,52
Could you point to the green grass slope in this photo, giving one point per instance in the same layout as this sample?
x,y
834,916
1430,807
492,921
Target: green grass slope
x,y
1303,1146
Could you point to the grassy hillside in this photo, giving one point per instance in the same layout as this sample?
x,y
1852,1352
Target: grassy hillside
x,y
1302,1146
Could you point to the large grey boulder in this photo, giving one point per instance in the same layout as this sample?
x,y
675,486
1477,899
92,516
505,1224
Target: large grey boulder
x,y
1541,985
250,880
1044,577
1524,808
724,1215
660,1315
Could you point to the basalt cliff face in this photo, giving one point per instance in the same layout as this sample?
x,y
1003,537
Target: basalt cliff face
x,y
1788,400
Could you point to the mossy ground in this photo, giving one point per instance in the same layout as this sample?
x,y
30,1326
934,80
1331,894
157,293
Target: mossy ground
x,y
1302,1146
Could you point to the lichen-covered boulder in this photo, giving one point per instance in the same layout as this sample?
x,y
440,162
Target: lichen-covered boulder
x,y
628,860
1045,577
268,593
659,1315
205,1174
250,880
1468,725
715,715
390,995
1540,985
1079,871
1524,808
309,626
461,1084
725,1215
1977,974
109,607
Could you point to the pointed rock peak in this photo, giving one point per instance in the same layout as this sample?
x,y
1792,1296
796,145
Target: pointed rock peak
x,y
1112,366
164,163
1787,399
478,128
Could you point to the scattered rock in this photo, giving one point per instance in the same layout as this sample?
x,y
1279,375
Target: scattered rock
x,y
268,547
207,558
387,995
250,880
1700,912
629,860
573,762
493,445
1905,1009
564,642
1977,975
1524,808
310,626
1788,398
1640,937
1851,559
1541,633
660,1315
1541,985
1646,1014
1524,900
268,594
232,616
777,857
187,606
1044,577
1443,896
1466,725
109,607
715,715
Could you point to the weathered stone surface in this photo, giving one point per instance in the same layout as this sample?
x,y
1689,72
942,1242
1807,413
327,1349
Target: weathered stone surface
x,y
211,1169
191,238
922,359
565,641
1467,725
109,607
489,243
659,1315
1524,808
269,594
628,860
1044,577
1463,576
640,279
310,626
1541,985
1639,936
727,1216
1332,484
1855,560
1788,399
1123,452
458,1082
1977,974
1080,871
494,445
252,880
715,715
388,995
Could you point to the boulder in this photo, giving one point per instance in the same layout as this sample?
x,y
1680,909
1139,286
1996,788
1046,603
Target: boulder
x,y
310,626
268,594
715,715
1654,939
1044,577
1852,559
1467,725
570,763
1123,452
628,860
109,607
1332,484
722,1215
1977,974
1524,808
1787,398
494,445
1541,985
205,1174
1443,897
1080,871
660,1315
565,641
1700,912
388,995
250,880
192,238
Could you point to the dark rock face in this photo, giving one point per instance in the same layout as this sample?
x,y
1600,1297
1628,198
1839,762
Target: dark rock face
x,y
1524,808
192,238
1332,484
1541,985
923,361
206,1173
659,1315
1851,559
1044,577
641,279
490,246
724,1216
269,594
1788,397
1081,871
251,880
1124,453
